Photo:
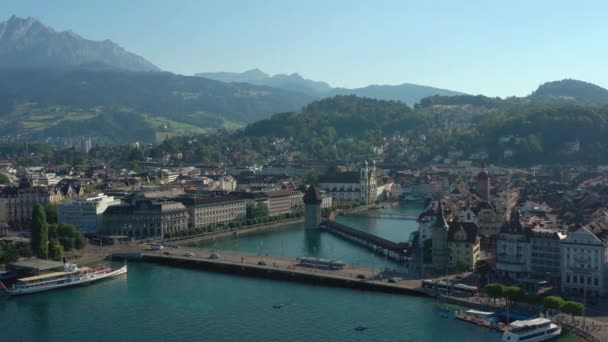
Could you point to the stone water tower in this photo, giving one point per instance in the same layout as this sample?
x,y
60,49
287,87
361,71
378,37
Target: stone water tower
x,y
312,207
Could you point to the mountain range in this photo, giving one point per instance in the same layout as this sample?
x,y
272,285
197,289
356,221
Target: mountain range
x,y
30,43
293,82
407,93
58,84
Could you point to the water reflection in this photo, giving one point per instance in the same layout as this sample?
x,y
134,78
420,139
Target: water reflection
x,y
312,242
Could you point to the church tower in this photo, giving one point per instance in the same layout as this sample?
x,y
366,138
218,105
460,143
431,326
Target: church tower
x,y
483,183
312,207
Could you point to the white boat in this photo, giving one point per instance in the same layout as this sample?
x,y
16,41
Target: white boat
x,y
531,330
70,276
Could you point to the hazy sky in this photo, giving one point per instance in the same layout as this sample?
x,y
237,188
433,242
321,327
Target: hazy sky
x,y
497,48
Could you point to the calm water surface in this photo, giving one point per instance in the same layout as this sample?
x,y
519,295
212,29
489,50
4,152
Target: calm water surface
x,y
160,303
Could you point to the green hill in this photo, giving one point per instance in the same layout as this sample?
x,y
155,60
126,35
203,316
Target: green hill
x,y
571,90
37,103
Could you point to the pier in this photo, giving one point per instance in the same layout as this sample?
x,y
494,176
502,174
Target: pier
x,y
272,267
390,249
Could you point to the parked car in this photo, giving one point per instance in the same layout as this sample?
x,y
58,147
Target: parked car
x,y
188,254
166,253
214,256
262,263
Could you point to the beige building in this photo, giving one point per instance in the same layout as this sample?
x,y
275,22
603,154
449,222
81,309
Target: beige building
x,y
464,245
284,202
18,202
213,210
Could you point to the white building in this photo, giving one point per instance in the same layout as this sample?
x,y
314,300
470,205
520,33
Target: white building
x,y
584,262
85,213
513,249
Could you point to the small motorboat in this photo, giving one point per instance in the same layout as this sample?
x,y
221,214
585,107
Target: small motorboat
x,y
278,306
361,327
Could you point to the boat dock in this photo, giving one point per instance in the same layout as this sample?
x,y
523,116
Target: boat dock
x,y
479,321
390,249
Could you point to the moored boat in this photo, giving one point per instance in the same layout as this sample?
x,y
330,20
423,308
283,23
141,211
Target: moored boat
x,y
70,276
531,330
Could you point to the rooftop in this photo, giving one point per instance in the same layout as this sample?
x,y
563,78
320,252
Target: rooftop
x,y
35,264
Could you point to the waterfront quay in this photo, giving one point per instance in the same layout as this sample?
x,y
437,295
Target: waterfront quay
x,y
274,267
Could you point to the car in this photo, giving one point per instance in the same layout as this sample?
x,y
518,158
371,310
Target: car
x,y
262,263
214,256
392,280
360,276
166,253
188,254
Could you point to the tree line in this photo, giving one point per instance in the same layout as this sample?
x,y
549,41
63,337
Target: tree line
x,y
49,240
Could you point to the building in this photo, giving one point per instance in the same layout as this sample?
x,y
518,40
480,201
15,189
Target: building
x,y
327,200
584,262
545,258
513,249
282,202
483,184
213,210
144,218
488,219
439,233
312,207
85,145
18,202
464,245
85,213
352,186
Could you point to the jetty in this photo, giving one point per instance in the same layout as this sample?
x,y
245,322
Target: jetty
x,y
272,267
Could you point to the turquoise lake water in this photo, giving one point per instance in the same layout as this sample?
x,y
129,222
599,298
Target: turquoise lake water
x,y
161,303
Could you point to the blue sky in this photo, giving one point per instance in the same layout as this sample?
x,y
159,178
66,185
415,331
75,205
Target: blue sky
x,y
497,48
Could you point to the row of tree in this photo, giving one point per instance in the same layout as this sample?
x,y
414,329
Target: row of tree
x,y
231,225
51,240
516,294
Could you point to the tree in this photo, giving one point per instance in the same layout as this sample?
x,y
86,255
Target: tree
x,y
4,179
259,211
514,293
136,154
553,302
494,290
50,210
8,252
573,308
69,237
55,250
40,233
558,173
312,177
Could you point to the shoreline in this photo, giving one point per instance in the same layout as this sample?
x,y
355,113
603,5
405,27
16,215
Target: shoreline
x,y
235,232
